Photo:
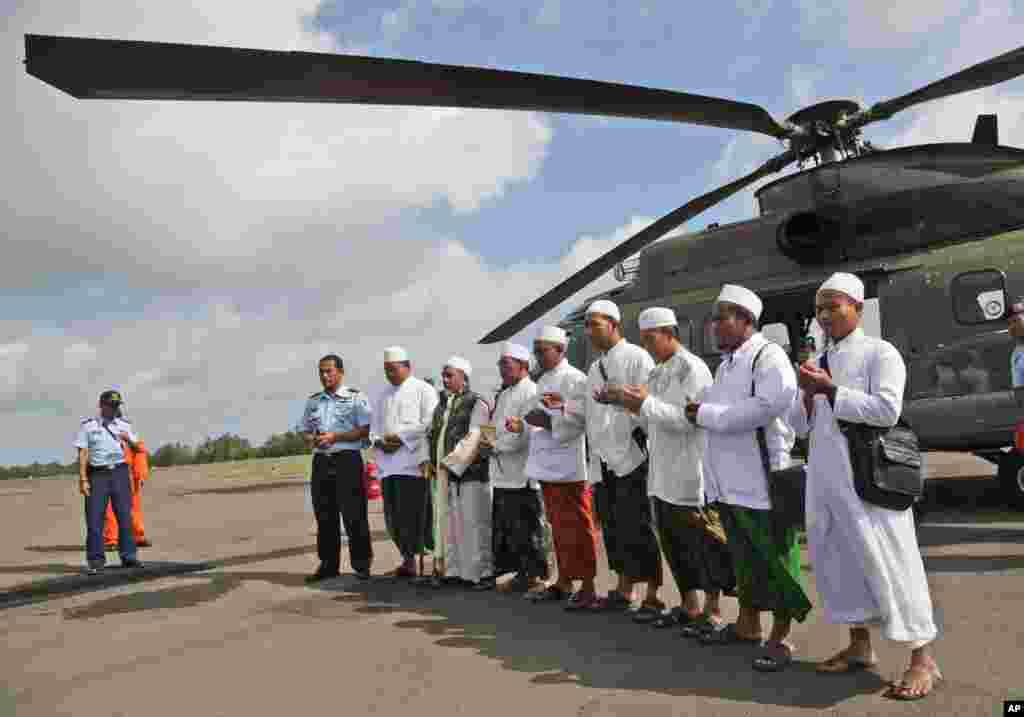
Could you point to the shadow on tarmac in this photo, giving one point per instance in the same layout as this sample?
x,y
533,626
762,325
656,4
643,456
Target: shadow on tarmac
x,y
264,487
72,579
598,651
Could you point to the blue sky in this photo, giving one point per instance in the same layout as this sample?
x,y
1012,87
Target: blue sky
x,y
203,256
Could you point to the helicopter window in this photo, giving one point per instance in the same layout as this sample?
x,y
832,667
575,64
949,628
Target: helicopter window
x,y
710,340
979,296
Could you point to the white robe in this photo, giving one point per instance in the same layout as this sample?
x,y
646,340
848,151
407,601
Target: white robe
x,y
867,564
463,511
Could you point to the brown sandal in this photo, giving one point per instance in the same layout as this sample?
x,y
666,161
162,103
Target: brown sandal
x,y
901,690
843,662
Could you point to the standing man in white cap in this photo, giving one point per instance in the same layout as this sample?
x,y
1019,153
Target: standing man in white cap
x,y
398,424
621,453
691,533
557,460
518,511
462,500
867,564
754,388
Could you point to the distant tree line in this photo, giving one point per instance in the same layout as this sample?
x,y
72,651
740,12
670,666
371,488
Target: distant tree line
x,y
228,447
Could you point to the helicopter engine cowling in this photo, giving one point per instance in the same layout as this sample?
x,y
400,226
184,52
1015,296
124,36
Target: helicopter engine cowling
x,y
813,237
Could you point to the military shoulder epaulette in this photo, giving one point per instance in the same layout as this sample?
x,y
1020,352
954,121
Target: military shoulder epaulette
x,y
315,395
86,420
353,390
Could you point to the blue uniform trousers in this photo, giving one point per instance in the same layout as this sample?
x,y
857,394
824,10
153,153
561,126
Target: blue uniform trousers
x,y
114,485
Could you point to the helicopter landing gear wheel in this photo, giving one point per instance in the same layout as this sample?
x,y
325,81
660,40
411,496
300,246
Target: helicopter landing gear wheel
x,y
1011,478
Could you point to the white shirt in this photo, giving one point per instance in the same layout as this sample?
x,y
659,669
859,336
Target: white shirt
x,y
405,410
676,446
733,471
610,428
508,459
557,455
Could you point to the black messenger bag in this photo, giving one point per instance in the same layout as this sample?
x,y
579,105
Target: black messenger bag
x,y
886,462
787,487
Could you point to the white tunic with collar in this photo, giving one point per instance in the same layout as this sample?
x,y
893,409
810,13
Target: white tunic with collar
x,y
610,428
676,446
867,564
733,470
508,461
406,410
557,456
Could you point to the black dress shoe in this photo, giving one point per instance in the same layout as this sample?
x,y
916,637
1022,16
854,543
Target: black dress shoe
x,y
91,570
482,584
363,574
143,544
321,575
132,564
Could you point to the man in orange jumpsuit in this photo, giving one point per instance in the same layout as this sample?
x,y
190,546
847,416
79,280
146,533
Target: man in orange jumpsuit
x,y
138,464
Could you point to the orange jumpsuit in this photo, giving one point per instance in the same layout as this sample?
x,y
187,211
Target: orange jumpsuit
x,y
138,464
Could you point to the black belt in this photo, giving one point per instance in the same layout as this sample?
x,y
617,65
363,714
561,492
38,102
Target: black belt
x,y
107,468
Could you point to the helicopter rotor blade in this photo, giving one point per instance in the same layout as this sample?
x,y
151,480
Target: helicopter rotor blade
x,y
120,69
631,246
985,74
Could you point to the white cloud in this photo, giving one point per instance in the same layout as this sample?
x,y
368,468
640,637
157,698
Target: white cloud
x,y
876,24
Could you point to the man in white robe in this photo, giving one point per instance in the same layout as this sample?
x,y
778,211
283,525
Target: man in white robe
x,y
398,424
557,459
624,511
462,500
866,560
690,532
518,535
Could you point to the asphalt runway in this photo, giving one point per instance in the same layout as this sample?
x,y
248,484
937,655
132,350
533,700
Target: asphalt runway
x,y
221,622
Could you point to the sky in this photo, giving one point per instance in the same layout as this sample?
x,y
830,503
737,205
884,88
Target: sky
x,y
201,257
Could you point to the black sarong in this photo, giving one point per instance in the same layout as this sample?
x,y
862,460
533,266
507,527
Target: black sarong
x,y
518,536
693,542
408,514
633,548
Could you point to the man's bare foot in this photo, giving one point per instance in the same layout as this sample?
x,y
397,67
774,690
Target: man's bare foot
x,y
917,682
854,657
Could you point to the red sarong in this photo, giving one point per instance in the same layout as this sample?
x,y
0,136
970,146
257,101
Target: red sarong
x,y
568,508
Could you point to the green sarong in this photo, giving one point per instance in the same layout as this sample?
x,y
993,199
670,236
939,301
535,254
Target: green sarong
x,y
767,564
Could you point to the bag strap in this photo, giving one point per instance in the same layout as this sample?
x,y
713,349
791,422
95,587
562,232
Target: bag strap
x,y
641,439
762,438
600,367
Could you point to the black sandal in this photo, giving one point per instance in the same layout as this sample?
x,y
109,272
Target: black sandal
x,y
551,593
725,634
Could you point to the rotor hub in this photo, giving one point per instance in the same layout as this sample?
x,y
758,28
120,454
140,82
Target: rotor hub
x,y
819,131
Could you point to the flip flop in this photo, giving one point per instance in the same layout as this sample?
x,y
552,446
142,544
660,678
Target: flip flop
x,y
669,618
898,690
693,627
551,593
647,613
617,601
775,656
586,602
725,634
842,663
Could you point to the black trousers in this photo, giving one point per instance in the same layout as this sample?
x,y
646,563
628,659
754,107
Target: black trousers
x,y
629,529
338,488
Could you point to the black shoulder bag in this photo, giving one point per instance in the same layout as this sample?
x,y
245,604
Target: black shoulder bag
x,y
639,435
886,462
787,487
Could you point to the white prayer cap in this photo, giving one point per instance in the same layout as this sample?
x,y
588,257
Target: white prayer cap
x,y
603,306
742,297
461,364
515,351
395,353
553,334
656,317
847,284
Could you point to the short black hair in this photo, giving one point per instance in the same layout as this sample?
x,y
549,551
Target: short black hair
x,y
338,364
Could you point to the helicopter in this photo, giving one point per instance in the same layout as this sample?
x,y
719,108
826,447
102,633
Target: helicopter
x,y
935,231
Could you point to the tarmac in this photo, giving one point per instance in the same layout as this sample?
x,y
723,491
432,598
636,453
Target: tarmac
x,y
221,623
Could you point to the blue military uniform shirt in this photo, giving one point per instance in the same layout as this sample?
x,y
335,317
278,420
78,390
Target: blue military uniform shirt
x,y
337,413
1017,366
104,449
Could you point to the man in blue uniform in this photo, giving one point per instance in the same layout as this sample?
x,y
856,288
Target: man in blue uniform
x,y
336,423
1015,314
103,475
